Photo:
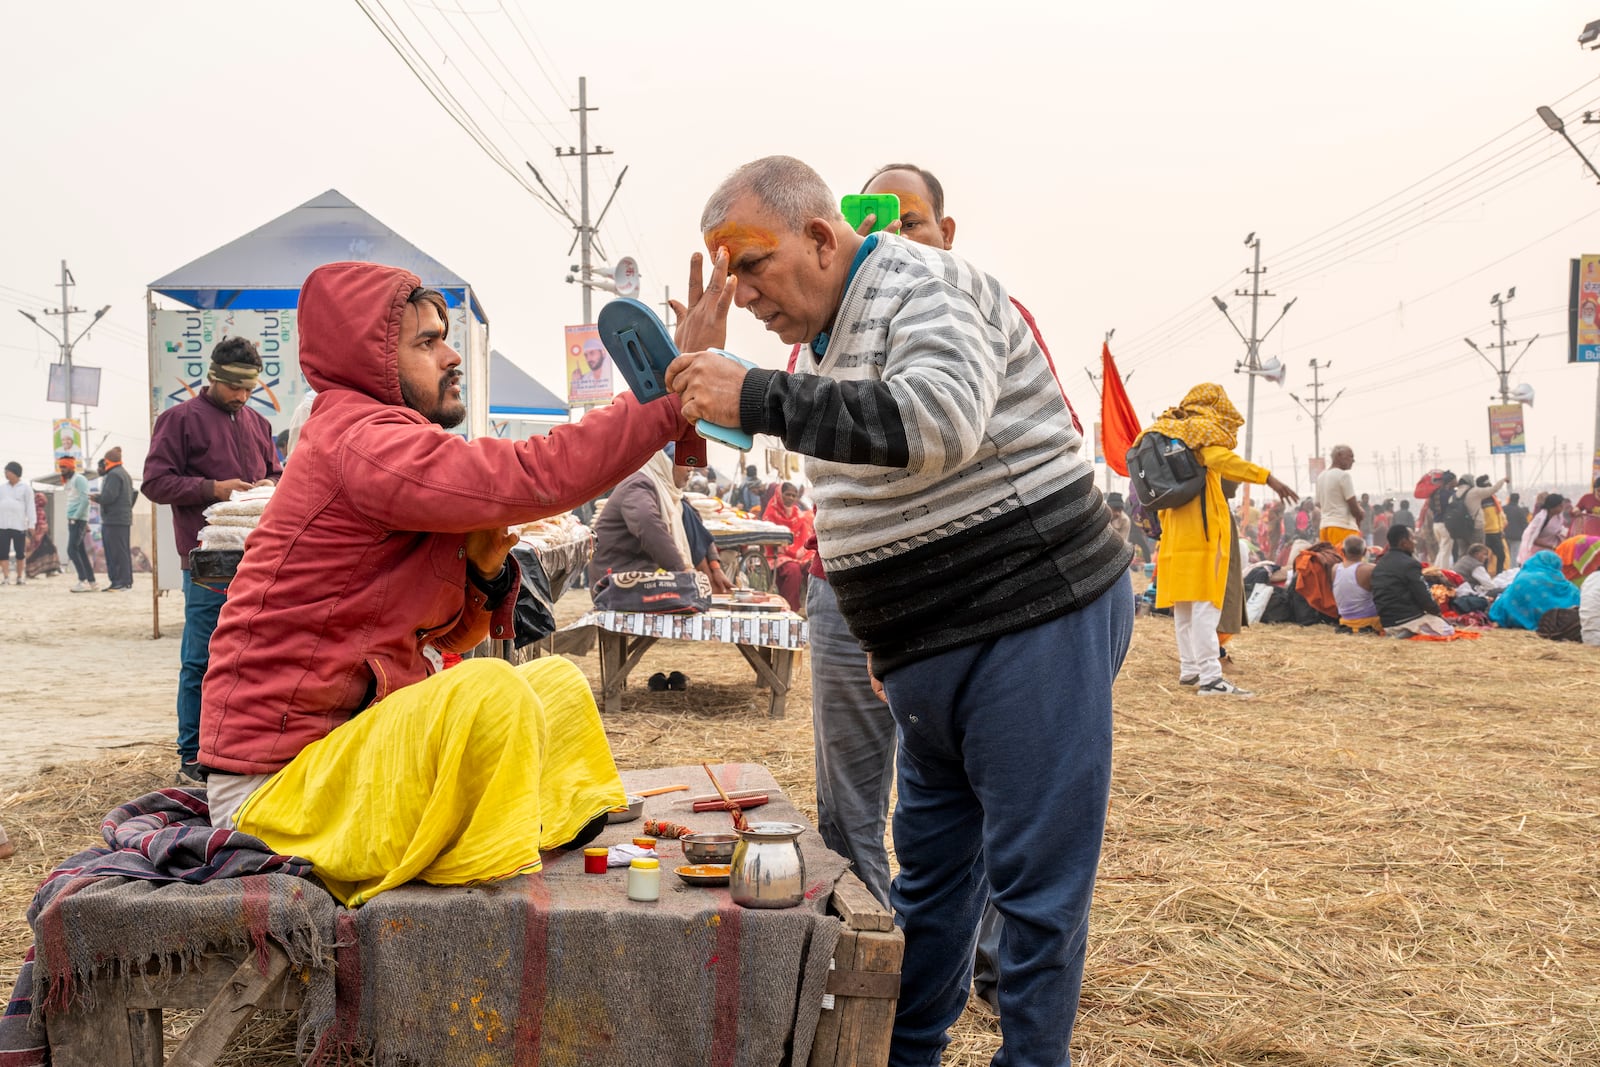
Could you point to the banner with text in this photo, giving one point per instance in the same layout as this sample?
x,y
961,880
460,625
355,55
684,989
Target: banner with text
x,y
1507,434
180,354
588,367
1583,311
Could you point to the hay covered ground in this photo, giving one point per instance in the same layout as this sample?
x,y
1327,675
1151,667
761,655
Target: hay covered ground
x,y
1388,857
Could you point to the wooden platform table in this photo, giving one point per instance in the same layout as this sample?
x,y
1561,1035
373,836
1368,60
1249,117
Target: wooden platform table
x,y
768,640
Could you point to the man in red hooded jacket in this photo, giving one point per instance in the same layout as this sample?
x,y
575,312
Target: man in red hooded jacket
x,y
384,544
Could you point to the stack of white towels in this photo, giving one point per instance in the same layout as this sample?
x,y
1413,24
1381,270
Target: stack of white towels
x,y
229,522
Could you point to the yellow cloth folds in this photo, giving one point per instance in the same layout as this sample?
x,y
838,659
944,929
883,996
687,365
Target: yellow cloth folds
x,y
1335,535
1358,625
1204,417
460,778
1192,555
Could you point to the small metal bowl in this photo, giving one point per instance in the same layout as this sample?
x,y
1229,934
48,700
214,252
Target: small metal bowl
x,y
709,848
704,874
634,809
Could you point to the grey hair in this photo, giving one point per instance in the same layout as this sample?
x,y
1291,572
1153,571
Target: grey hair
x,y
784,185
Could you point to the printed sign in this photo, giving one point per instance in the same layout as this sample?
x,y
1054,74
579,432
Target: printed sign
x,y
1583,311
66,438
588,367
180,355
1507,435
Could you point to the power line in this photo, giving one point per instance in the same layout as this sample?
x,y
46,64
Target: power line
x,y
1558,231
1428,177
1293,277
1146,345
447,100
511,17
485,67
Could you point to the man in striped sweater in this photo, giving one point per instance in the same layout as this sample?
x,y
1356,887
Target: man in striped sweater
x,y
973,559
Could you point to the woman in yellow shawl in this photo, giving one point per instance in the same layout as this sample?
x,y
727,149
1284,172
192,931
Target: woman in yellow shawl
x,y
1192,561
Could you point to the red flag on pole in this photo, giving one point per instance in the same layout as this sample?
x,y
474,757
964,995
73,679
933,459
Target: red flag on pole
x,y
1118,424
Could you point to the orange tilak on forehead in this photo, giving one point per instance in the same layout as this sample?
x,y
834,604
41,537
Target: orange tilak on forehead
x,y
739,240
912,204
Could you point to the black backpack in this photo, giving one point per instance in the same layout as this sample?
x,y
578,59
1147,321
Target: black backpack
x,y
1165,472
1458,520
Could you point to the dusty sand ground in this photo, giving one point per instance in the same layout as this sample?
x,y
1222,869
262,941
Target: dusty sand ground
x,y
83,673
1388,857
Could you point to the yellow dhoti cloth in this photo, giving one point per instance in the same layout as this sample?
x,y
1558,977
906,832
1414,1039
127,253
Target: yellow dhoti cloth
x,y
462,777
1335,535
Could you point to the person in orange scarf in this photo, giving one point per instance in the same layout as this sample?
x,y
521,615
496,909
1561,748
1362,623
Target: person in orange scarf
x,y
791,562
1192,560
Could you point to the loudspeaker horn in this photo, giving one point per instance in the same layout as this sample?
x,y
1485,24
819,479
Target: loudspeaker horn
x,y
1274,371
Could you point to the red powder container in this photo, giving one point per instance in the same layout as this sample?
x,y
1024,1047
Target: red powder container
x,y
594,860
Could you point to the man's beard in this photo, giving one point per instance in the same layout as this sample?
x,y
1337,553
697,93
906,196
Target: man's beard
x,y
442,410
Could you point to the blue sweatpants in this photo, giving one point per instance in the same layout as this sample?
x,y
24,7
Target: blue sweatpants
x,y
1004,777
201,606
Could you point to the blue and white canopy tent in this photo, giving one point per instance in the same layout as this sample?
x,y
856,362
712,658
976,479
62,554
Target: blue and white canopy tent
x,y
518,405
251,286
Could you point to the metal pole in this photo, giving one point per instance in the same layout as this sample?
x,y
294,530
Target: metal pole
x,y
1316,410
585,235
66,341
1505,378
1594,462
1254,362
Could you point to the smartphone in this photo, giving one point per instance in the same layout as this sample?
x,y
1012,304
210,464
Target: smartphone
x,y
857,206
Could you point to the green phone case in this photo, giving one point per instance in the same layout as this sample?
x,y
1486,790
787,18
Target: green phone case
x,y
857,206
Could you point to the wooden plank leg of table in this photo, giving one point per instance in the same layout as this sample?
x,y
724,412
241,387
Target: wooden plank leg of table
x,y
864,982
230,1010
98,1036
618,656
774,667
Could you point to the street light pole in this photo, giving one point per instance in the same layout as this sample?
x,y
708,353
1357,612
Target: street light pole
x,y
66,342
1502,369
1252,344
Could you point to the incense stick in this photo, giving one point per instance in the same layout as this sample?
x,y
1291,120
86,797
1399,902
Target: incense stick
x,y
733,807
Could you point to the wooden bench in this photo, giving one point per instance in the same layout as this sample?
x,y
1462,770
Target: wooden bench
x,y
123,1027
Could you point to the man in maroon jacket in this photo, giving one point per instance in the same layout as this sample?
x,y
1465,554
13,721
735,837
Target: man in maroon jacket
x,y
200,452
384,545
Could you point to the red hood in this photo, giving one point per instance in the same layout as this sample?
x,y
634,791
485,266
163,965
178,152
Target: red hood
x,y
350,328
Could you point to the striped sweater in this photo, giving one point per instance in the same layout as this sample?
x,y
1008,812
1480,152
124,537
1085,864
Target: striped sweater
x,y
954,503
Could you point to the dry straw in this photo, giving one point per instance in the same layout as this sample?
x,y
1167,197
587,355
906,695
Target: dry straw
x,y
1388,857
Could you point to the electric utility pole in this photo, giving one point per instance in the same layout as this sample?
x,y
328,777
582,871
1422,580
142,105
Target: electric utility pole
x,y
66,342
1319,405
1504,371
586,233
1252,344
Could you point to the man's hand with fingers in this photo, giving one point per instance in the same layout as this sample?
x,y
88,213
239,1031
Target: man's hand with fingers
x,y
703,323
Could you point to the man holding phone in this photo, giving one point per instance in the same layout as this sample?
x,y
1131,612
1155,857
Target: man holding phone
x,y
853,730
972,557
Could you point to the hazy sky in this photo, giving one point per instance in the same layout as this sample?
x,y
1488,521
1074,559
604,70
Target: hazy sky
x,y
1104,161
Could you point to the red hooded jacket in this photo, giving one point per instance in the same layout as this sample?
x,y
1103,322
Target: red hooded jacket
x,y
359,560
